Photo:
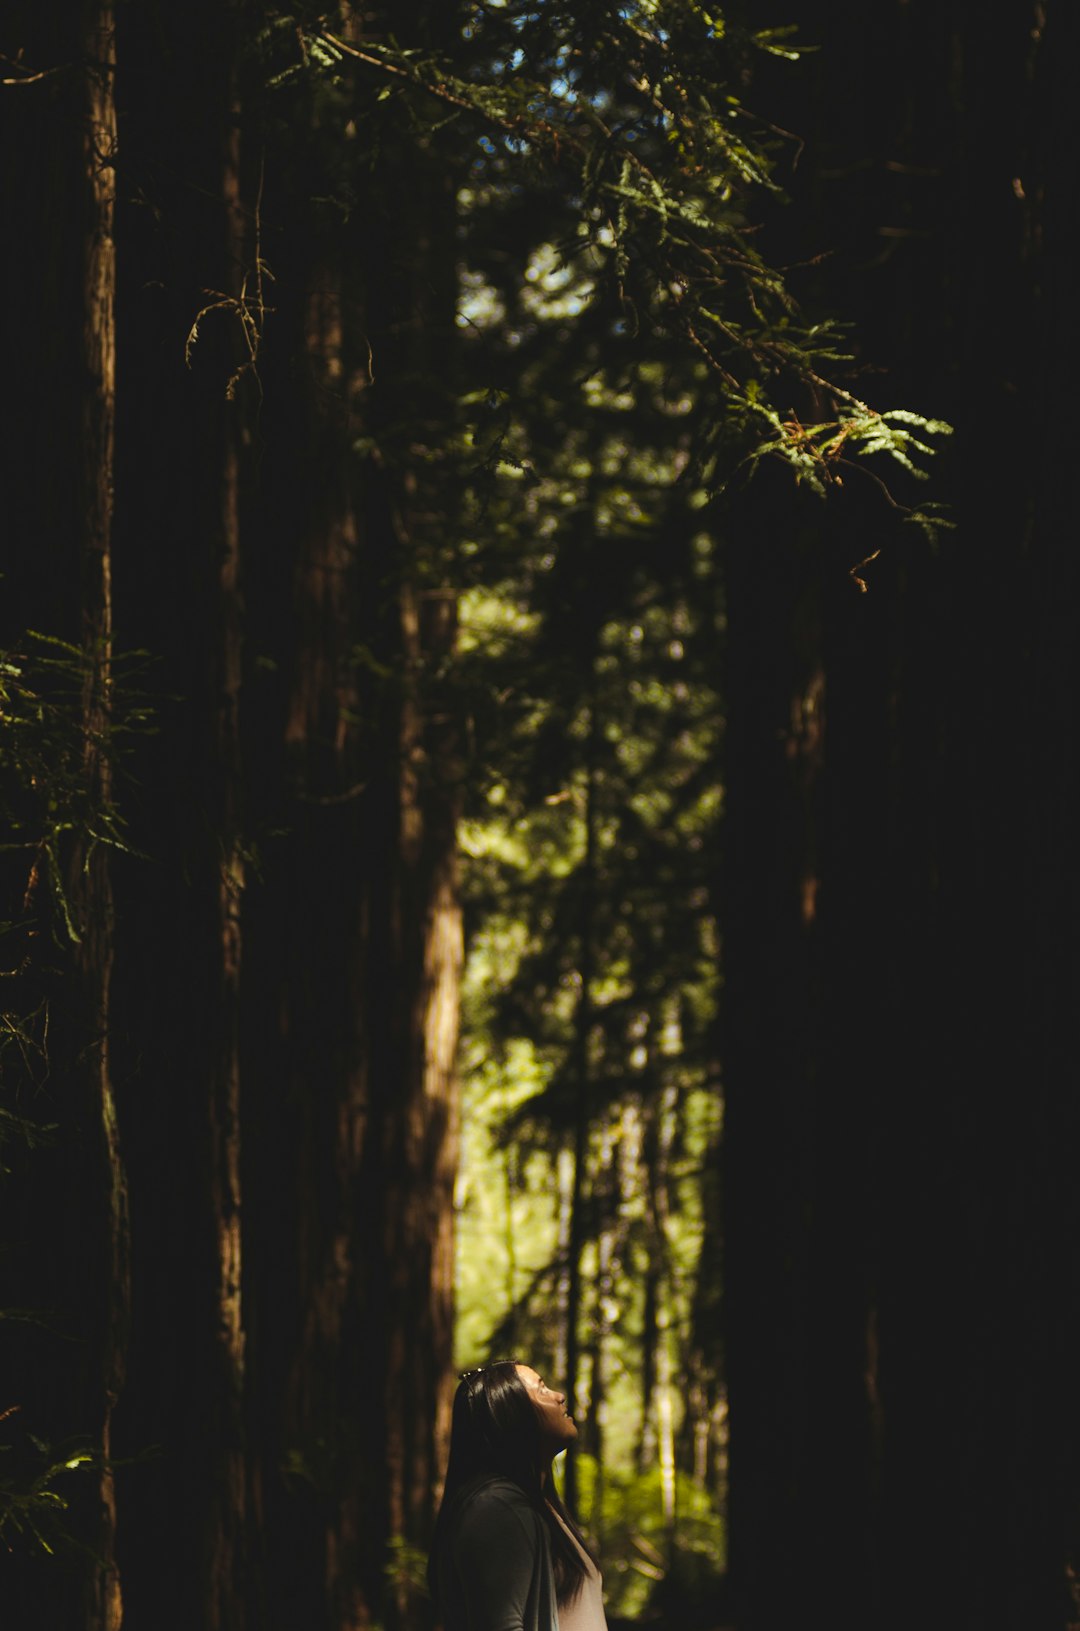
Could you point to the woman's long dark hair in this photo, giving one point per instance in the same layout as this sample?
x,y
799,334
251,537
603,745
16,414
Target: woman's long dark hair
x,y
495,1433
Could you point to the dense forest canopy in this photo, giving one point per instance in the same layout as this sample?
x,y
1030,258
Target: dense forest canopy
x,y
537,812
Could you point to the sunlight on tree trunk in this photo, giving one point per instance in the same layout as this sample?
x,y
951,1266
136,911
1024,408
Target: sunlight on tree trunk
x,y
582,1068
91,885
564,1180
228,1555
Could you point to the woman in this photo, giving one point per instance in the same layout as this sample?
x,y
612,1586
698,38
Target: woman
x,y
506,1555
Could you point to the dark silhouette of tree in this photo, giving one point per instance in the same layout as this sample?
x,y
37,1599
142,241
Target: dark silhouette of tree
x,y
899,1126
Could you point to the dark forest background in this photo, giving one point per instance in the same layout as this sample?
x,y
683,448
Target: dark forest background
x,y
519,725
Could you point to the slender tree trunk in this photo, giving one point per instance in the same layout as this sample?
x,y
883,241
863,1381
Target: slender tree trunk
x,y
583,1026
658,1146
65,1206
227,1563
606,1195
646,1444
564,1183
90,873
707,1417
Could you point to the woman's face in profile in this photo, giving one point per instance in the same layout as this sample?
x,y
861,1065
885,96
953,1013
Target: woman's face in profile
x,y
557,1428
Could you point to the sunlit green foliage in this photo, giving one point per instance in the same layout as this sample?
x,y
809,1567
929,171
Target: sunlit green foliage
x,y
34,1483
590,646
643,1571
50,789
54,804
55,807
631,130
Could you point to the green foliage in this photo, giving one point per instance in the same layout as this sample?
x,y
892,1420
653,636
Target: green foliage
x,y
406,1566
626,129
34,1481
590,832
52,791
23,1059
645,1569
60,742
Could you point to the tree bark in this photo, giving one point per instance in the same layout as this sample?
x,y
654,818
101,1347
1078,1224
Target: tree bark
x,y
65,1207
772,753
181,462
227,1563
90,878
352,979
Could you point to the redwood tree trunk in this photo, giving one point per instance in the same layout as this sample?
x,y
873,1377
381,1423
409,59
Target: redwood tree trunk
x,y
184,245
351,985
91,886
768,911
64,1220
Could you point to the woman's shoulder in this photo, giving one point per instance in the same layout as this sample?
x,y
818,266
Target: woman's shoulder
x,y
484,1500
495,1485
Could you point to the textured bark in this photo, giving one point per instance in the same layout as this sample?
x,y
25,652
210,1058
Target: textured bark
x,y
421,1152
772,764
181,468
227,1560
91,884
354,926
65,1213
414,947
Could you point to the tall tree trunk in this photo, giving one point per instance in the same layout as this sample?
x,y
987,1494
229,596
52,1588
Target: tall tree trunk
x,y
771,763
707,1398
658,1151
180,461
90,881
582,1067
419,1215
606,1192
352,979
65,1223
646,1443
227,1563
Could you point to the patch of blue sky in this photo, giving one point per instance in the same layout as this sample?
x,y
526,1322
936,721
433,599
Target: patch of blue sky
x,y
644,14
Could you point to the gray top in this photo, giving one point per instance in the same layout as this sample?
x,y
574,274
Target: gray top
x,y
494,1568
586,1611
